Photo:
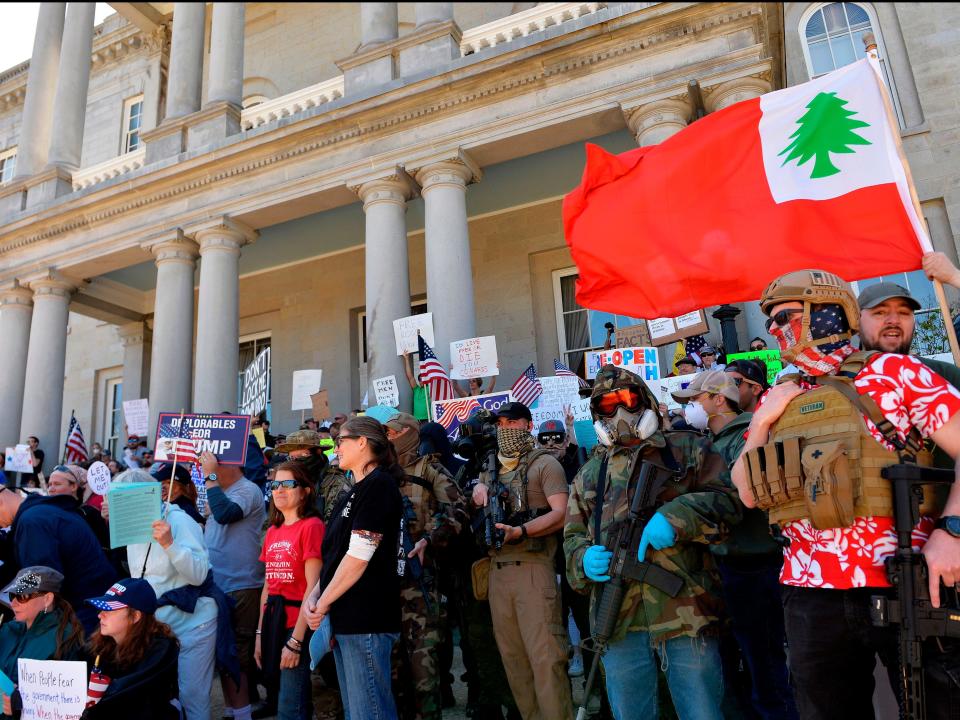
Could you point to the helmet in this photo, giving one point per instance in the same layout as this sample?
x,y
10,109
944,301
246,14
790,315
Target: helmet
x,y
813,287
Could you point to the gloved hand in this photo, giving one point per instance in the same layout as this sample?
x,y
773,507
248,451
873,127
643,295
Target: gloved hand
x,y
659,533
596,563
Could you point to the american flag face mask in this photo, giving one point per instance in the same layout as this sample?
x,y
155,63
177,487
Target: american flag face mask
x,y
817,341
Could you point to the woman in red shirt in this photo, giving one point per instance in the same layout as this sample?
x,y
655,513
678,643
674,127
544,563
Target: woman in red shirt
x,y
291,551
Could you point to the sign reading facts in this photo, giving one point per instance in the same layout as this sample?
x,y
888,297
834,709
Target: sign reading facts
x,y
642,361
473,358
453,413
223,435
633,336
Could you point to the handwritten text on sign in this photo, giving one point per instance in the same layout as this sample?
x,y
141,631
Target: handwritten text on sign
x,y
387,391
52,689
642,361
474,357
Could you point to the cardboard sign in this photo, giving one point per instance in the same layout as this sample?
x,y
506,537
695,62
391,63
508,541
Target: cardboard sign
x,y
386,391
52,689
452,413
668,330
405,331
136,413
473,358
305,384
320,404
223,435
256,385
770,357
98,478
633,336
668,385
134,507
17,459
642,361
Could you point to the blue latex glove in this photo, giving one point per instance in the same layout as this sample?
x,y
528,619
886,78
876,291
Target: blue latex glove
x,y
596,563
659,533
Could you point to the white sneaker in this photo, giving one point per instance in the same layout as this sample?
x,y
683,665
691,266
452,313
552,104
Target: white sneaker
x,y
576,666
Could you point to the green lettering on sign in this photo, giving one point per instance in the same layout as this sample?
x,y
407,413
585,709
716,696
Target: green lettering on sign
x,y
812,407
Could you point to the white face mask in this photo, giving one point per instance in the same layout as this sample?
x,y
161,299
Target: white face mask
x,y
695,415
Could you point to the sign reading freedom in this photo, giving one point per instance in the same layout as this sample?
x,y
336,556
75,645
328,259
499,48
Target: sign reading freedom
x,y
223,435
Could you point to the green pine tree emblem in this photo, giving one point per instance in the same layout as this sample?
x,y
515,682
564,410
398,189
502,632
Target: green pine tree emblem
x,y
827,127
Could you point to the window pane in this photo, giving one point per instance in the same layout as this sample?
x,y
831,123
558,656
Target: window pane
x,y
821,58
858,47
856,15
624,321
568,290
597,320
134,123
575,330
842,50
134,141
836,22
815,26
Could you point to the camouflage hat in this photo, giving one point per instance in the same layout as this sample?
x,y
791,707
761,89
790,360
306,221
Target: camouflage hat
x,y
715,382
299,440
403,420
611,377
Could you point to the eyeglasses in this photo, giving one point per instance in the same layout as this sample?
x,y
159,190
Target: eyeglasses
x,y
758,347
606,405
551,439
341,438
781,318
285,484
68,471
24,597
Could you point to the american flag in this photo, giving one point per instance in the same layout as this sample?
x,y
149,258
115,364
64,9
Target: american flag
x,y
184,450
433,374
561,370
527,388
457,410
693,345
76,448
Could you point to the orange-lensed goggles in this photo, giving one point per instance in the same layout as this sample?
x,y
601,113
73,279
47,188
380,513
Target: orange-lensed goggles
x,y
606,405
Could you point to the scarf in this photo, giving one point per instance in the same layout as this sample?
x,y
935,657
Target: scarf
x,y
511,444
806,350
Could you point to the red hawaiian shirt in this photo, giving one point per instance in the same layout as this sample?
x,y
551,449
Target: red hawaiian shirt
x,y
909,394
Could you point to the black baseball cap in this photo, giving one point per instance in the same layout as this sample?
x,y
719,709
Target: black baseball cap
x,y
882,291
165,470
513,411
749,369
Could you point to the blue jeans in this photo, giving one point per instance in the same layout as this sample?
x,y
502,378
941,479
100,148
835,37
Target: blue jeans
x,y
198,649
363,669
295,699
692,666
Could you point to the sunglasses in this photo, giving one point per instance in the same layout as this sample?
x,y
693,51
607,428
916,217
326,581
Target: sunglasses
x,y
606,405
781,318
550,439
285,484
757,347
24,597
341,438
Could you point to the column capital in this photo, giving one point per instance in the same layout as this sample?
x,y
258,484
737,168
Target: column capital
x,y
135,333
655,121
451,168
172,247
16,294
54,284
222,233
393,186
733,91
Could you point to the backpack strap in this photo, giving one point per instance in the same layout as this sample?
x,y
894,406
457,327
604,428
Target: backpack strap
x,y
852,366
598,505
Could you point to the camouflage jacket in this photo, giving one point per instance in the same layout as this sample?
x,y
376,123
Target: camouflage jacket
x,y
439,506
699,506
333,486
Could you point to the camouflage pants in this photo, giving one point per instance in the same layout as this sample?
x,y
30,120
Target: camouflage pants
x,y
416,669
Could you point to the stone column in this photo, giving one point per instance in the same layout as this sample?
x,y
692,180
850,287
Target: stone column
x,y
226,53
186,59
70,100
447,248
387,280
46,361
218,315
654,122
734,91
427,13
378,23
171,353
37,117
16,310
433,44
136,340
157,45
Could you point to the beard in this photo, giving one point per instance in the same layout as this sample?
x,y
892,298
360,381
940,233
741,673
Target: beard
x,y
892,343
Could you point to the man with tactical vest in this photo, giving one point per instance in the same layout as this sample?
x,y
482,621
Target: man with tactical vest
x,y
748,560
673,481
531,487
434,511
813,456
330,483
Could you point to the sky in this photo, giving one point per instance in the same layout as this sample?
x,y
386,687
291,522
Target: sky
x,y
18,21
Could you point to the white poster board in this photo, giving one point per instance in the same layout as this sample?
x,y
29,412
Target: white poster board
x,y
665,386
256,385
17,459
98,478
580,409
642,361
386,390
137,415
405,331
473,358
52,689
305,384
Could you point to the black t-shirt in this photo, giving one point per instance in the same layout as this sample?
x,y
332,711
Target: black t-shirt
x,y
372,605
38,454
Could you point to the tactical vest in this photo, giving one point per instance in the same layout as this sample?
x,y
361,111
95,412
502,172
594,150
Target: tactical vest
x,y
418,489
822,462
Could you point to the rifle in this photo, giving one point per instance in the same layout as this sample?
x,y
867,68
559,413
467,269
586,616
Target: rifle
x,y
625,564
495,510
912,609
412,566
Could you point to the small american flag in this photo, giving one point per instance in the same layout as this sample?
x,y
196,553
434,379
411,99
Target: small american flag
x,y
457,410
97,685
433,374
527,388
561,370
76,447
184,448
693,346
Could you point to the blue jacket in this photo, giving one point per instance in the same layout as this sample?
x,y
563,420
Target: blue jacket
x,y
254,469
51,531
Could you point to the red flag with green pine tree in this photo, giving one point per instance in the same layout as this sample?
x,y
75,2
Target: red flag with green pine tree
x,y
809,176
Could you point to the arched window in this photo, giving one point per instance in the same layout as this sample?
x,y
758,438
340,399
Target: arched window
x,y
832,36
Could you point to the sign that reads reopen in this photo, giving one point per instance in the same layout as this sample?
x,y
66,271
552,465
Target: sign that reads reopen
x,y
642,361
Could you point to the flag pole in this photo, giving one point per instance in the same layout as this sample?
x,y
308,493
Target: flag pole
x,y
176,448
870,44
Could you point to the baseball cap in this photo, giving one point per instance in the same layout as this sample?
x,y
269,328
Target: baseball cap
x,y
133,439
711,381
298,440
403,420
707,350
688,359
164,471
513,411
132,592
552,426
35,579
749,369
881,291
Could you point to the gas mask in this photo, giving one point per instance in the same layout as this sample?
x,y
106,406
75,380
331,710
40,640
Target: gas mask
x,y
625,425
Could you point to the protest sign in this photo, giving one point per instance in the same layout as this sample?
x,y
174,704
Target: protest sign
x,y
473,358
136,413
261,438
223,435
256,385
17,459
134,507
586,434
98,478
771,358
668,330
52,689
386,391
579,407
559,393
405,331
305,384
642,361
320,403
667,385
633,336
452,413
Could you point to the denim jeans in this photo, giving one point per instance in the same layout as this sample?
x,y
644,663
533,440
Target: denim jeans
x,y
295,699
198,649
692,667
363,668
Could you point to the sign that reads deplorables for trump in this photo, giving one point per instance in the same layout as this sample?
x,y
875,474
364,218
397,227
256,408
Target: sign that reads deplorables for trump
x,y
223,435
642,361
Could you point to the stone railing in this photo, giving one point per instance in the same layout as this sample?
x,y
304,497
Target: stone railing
x,y
113,167
292,103
523,23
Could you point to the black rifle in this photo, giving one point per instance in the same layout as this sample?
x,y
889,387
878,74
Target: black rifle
x,y
912,609
413,568
496,510
625,564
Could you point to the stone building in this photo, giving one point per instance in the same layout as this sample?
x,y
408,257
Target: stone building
x,y
185,184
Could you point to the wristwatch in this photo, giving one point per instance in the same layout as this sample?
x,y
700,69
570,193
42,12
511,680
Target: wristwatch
x,y
950,523
212,477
